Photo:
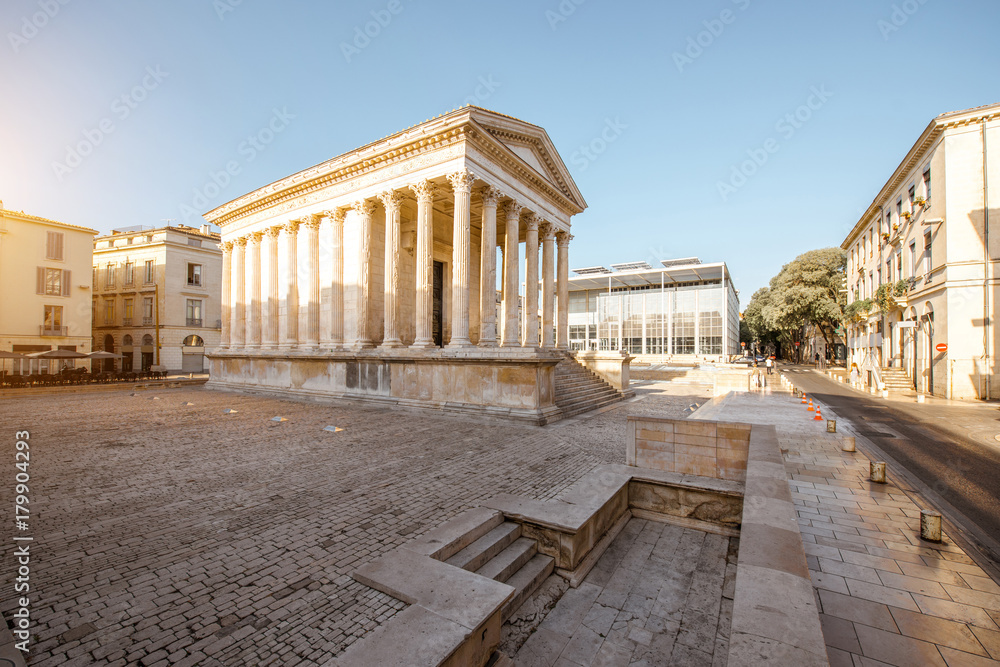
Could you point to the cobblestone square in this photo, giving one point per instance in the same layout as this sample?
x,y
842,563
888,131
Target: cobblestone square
x,y
170,533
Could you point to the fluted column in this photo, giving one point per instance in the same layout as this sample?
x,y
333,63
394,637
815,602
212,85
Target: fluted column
x,y
531,282
424,192
312,308
562,287
255,313
337,281
291,337
227,292
273,300
488,269
364,210
239,332
512,215
548,285
461,253
391,201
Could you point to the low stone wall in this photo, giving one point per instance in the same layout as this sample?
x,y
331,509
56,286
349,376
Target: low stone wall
x,y
706,449
514,385
612,367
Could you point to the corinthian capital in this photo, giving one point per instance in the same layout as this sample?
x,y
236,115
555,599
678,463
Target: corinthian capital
x,y
336,215
273,231
424,191
490,195
461,181
364,207
313,221
292,227
563,239
227,246
391,200
241,242
255,237
512,210
533,221
547,231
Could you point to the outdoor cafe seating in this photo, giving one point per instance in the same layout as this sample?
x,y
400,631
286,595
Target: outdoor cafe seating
x,y
75,376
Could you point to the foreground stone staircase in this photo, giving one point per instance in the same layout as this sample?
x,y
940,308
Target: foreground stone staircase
x,y
896,379
579,390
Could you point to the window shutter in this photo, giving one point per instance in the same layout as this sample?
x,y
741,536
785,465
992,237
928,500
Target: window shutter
x,y
48,245
40,283
65,282
59,245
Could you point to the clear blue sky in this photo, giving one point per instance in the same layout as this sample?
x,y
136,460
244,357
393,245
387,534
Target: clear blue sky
x,y
163,94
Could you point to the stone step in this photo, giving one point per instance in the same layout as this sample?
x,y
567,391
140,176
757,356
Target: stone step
x,y
478,553
502,566
573,410
449,538
526,581
568,395
580,382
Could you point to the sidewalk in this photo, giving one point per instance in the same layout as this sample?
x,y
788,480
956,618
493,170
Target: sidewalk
x,y
885,596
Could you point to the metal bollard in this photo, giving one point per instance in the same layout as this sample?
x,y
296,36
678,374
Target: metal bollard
x,y
848,445
831,425
920,398
930,525
877,472
885,393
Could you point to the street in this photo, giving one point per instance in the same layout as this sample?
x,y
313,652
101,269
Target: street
x,y
950,451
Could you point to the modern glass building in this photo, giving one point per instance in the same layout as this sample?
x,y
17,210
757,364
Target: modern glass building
x,y
682,308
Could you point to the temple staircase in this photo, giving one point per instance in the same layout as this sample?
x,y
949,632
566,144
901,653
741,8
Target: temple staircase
x,y
580,390
896,379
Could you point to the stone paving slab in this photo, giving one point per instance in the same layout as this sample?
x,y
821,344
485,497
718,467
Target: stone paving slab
x,y
885,596
173,534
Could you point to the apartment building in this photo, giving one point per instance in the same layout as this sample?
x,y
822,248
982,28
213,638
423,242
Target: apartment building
x,y
156,297
922,263
45,295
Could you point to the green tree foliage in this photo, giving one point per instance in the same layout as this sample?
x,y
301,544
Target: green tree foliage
x,y
807,290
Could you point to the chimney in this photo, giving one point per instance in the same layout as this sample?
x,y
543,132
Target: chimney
x,y
206,230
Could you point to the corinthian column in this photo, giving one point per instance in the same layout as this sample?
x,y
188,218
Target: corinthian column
x,y
312,311
255,239
227,292
337,282
273,300
292,295
531,282
461,252
548,284
364,210
562,328
512,215
240,308
390,337
424,191
488,269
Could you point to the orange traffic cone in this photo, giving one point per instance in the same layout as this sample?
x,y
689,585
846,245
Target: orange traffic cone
x,y
818,417
810,408
803,399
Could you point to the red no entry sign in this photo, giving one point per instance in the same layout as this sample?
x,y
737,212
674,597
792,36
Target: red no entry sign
x,y
941,347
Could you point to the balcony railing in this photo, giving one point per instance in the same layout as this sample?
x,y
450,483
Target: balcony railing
x,y
194,322
126,321
46,330
147,321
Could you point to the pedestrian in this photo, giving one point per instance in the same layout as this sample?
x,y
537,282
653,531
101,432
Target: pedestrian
x,y
854,375
816,360
770,365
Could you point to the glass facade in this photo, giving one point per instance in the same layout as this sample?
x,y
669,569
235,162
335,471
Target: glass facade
x,y
697,319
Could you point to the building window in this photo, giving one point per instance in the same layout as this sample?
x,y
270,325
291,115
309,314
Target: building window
x,y
927,183
899,265
888,269
54,246
194,274
879,275
888,220
913,259
195,243
109,312
194,312
147,311
52,325
912,195
129,272
127,313
94,283
109,276
149,277
927,253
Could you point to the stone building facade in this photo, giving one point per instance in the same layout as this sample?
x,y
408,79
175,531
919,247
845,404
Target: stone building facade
x,y
157,297
374,275
928,239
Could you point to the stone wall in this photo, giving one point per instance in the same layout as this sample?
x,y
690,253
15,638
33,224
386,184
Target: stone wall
x,y
706,449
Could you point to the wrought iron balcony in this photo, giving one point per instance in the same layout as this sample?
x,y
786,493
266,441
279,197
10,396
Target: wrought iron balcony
x,y
194,322
47,330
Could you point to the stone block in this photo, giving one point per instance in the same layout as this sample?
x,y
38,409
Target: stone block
x,y
686,427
